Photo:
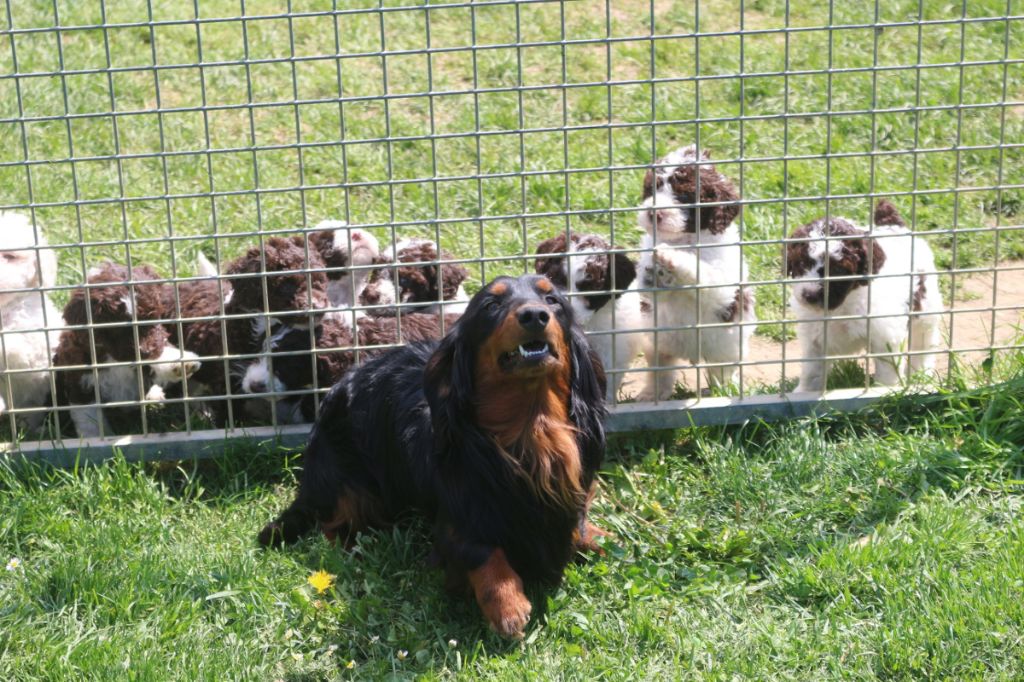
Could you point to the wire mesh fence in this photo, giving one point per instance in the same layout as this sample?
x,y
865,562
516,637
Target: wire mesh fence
x,y
240,200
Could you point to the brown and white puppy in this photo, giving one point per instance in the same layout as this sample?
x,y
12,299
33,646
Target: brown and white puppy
x,y
880,284
425,284
349,254
134,355
702,306
28,319
281,283
598,286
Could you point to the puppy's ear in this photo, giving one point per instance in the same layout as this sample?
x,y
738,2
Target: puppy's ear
x,y
715,188
868,254
452,276
448,386
877,256
551,267
625,271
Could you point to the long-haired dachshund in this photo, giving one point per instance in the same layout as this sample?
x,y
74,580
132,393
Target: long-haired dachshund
x,y
495,433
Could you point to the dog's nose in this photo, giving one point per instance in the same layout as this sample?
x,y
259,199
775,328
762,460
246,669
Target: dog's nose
x,y
534,318
813,296
257,387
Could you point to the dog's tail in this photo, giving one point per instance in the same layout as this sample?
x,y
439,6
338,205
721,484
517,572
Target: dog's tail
x,y
886,214
204,268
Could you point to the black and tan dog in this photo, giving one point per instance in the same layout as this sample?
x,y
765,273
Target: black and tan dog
x,y
495,433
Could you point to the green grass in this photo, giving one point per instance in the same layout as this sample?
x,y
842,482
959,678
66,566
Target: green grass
x,y
887,545
235,150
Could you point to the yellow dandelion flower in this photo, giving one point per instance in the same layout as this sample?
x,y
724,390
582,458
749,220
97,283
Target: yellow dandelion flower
x,y
321,581
350,665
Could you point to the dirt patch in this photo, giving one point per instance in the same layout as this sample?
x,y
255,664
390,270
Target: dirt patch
x,y
988,311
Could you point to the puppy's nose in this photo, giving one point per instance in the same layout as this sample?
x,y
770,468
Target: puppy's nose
x,y
257,387
534,318
813,296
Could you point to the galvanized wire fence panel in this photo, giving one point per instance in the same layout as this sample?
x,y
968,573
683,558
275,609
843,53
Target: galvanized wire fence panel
x,y
149,133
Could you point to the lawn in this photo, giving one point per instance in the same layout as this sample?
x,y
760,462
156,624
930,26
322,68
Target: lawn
x,y
888,544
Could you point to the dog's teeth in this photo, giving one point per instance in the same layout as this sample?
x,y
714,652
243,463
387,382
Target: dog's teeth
x,y
533,353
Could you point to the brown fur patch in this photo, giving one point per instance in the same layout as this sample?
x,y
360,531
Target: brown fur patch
x,y
499,288
713,188
354,512
545,286
919,293
886,214
499,592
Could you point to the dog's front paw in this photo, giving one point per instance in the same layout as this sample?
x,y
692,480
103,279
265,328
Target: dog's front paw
x,y
507,610
589,540
499,592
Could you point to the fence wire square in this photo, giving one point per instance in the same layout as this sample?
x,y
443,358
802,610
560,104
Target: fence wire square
x,y
183,142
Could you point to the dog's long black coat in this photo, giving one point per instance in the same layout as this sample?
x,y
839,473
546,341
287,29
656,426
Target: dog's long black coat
x,y
400,432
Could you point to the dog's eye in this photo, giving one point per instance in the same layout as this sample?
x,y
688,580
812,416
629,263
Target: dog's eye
x,y
551,299
10,256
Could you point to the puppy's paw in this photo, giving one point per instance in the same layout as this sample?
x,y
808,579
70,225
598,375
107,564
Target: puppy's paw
x,y
175,366
155,393
189,365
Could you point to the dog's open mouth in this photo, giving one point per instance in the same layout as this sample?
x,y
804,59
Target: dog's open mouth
x,y
527,354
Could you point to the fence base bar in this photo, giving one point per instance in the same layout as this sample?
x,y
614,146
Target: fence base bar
x,y
670,414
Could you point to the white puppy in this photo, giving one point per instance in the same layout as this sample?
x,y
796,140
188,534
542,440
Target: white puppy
x,y
881,284
26,315
583,267
697,269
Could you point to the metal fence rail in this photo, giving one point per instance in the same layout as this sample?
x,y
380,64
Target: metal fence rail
x,y
156,133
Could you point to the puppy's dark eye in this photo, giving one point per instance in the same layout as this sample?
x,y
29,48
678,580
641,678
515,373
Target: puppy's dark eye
x,y
551,299
491,304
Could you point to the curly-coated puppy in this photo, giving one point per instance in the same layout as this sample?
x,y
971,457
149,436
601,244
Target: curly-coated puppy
x,y
126,355
425,283
881,284
279,283
702,308
288,364
494,433
27,334
603,300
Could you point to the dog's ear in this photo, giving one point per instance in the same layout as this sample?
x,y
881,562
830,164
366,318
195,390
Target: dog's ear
x,y
715,188
551,266
877,256
448,386
625,271
452,277
868,254
586,400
